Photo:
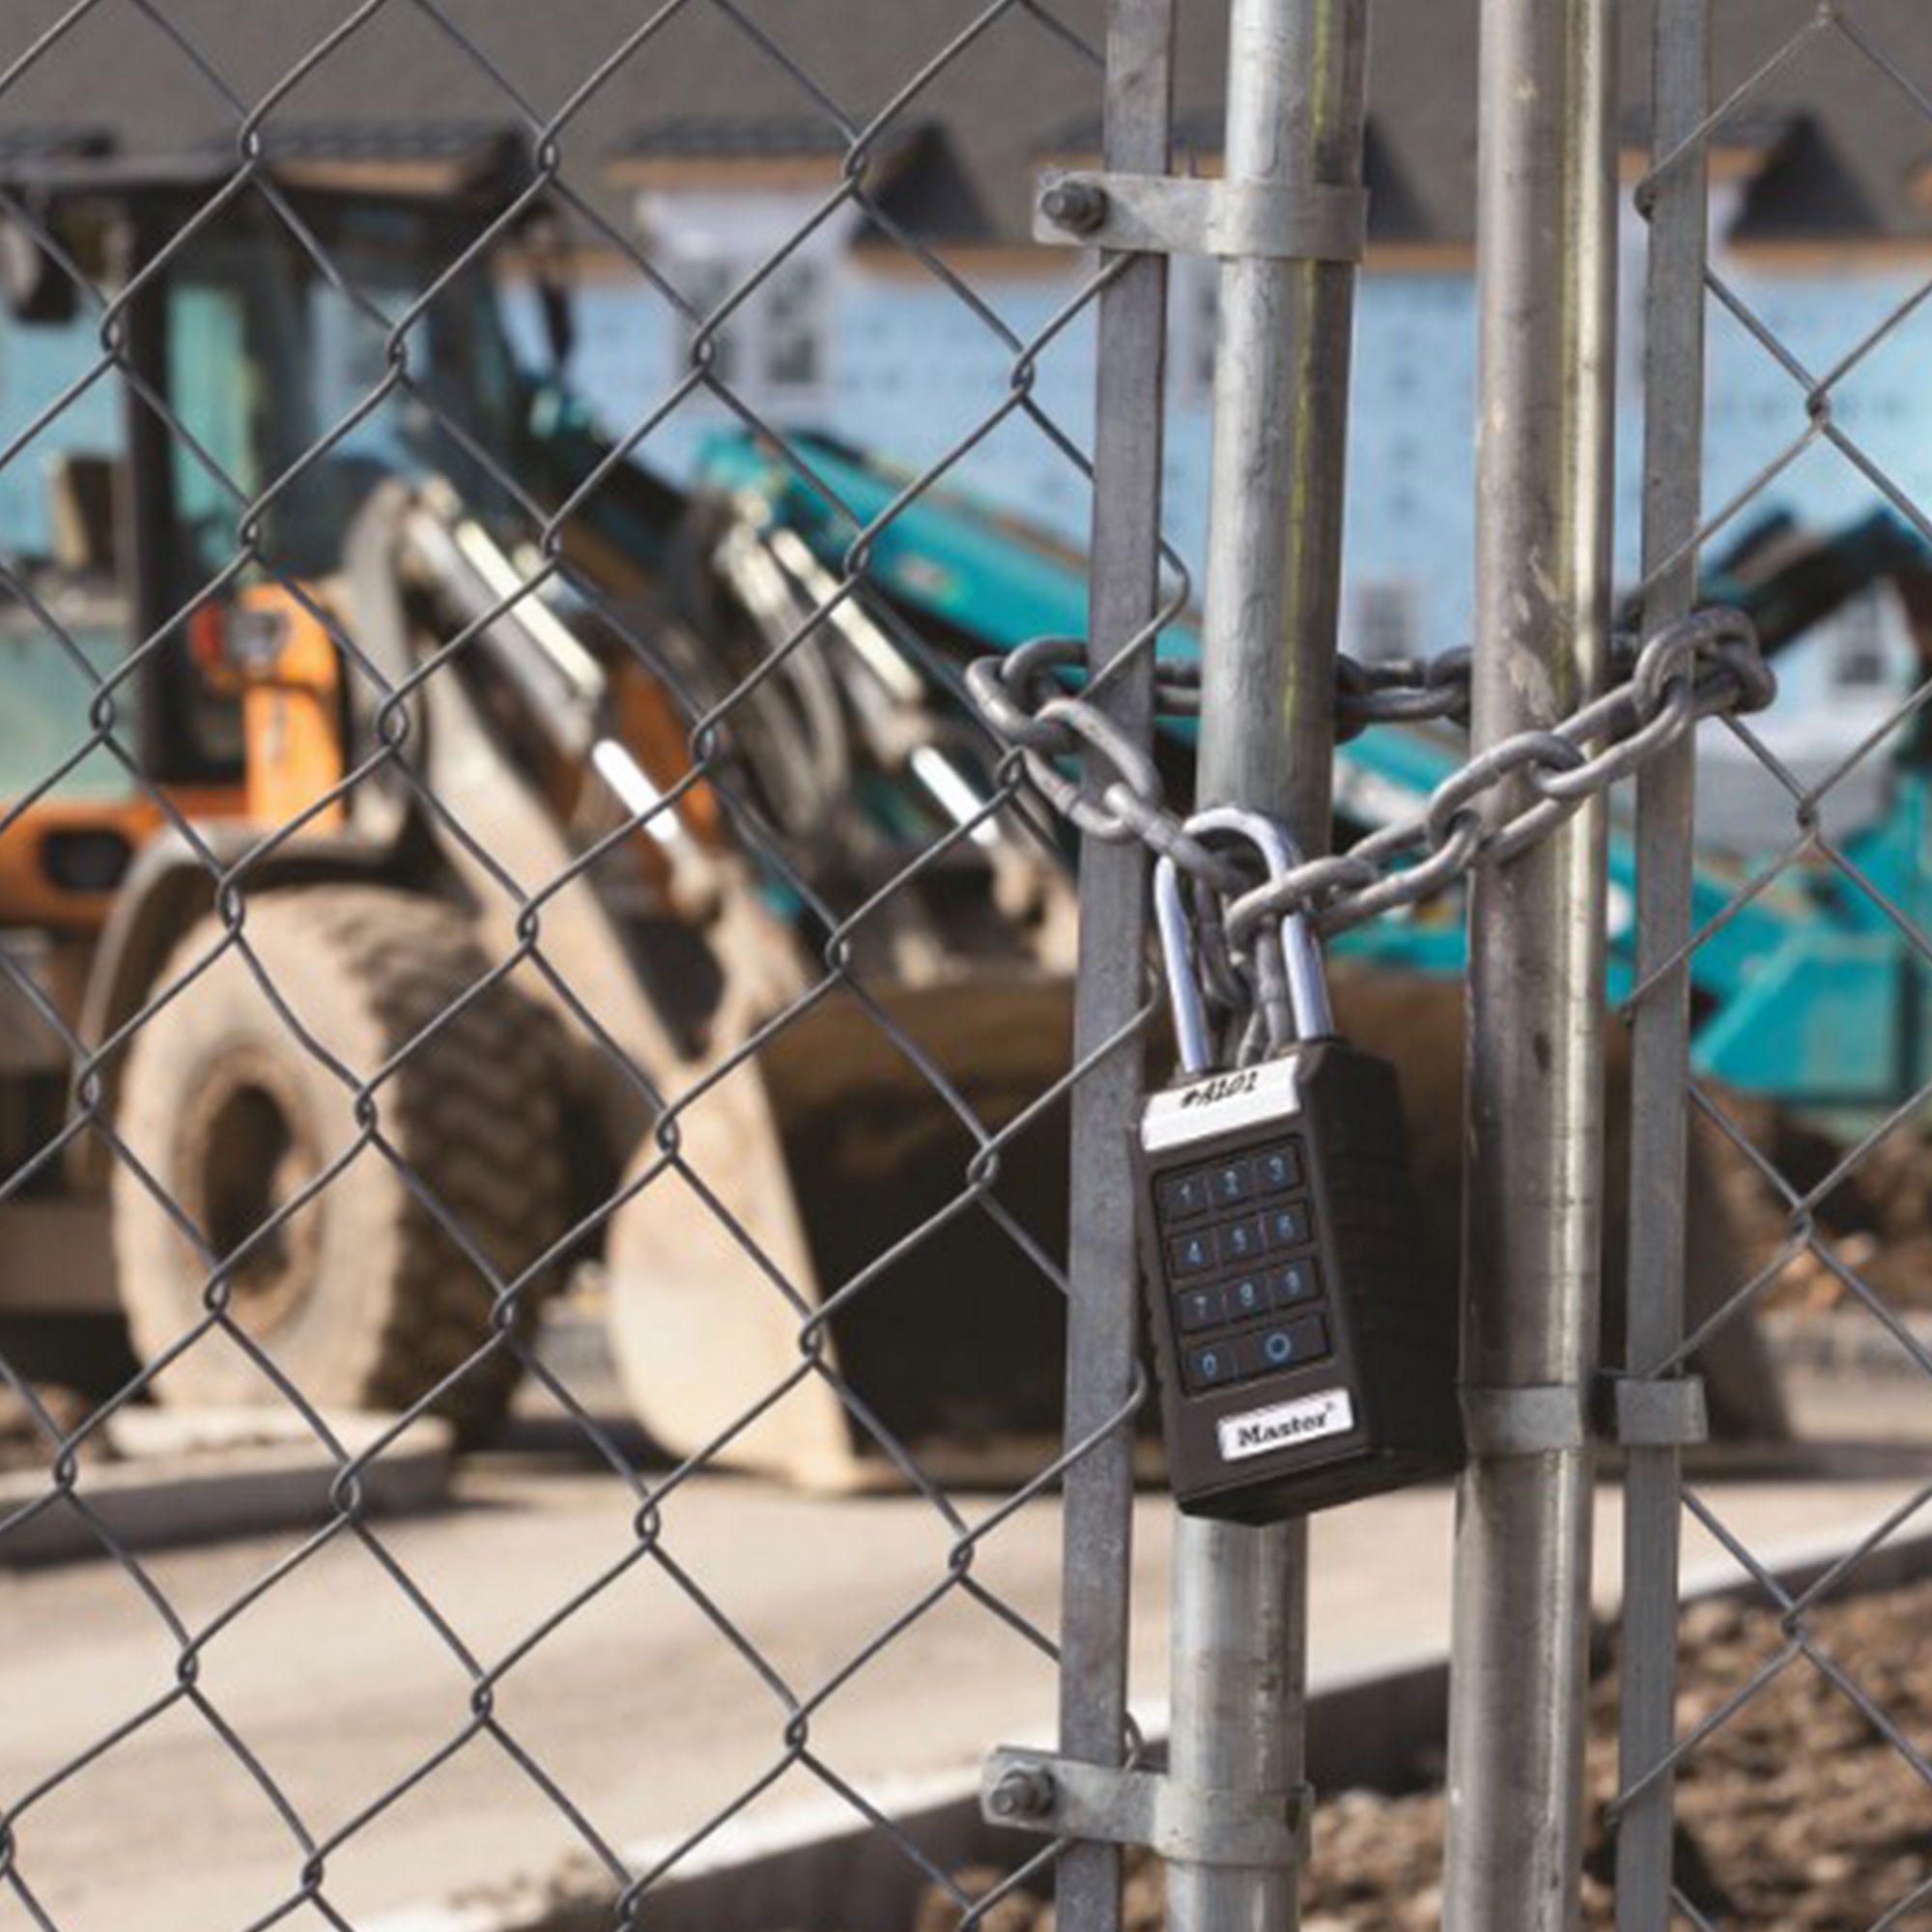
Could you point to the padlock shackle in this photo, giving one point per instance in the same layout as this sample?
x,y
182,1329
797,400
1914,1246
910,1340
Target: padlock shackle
x,y
1191,1037
1301,956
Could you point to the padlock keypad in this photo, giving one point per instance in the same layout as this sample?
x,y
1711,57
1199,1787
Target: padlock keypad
x,y
1238,1234
1304,1334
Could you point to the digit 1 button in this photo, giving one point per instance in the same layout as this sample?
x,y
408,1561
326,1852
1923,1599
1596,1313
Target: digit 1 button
x,y
1211,1364
1191,1254
1246,1296
1292,1281
1183,1196
1231,1182
1288,1227
1277,1170
1201,1308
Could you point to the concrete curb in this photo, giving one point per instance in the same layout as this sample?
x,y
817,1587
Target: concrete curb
x,y
816,1865
1846,1342
194,1478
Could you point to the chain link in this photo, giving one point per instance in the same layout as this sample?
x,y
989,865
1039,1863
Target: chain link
x,y
1700,666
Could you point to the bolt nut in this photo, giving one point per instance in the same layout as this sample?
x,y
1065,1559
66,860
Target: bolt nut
x,y
1077,206
1023,1793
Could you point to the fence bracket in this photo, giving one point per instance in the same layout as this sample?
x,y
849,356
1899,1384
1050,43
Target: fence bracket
x,y
1533,1420
1665,1412
1629,1411
1173,215
1063,1798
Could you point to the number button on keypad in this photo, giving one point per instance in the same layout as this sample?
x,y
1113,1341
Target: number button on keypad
x,y
1210,1363
1202,1308
1230,1182
1277,1170
1294,1281
1192,1254
1183,1196
1237,1241
1288,1227
1247,1295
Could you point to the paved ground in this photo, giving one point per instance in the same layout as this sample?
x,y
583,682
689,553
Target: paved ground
x,y
636,1707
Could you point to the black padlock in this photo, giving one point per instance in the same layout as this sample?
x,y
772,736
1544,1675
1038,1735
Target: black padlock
x,y
1306,1348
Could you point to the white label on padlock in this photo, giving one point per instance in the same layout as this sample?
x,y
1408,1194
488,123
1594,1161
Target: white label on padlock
x,y
1286,1424
1219,1101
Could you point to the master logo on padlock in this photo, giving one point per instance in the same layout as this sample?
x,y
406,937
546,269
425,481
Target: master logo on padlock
x,y
1307,1357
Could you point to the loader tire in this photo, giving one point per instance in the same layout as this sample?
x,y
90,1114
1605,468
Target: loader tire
x,y
361,1297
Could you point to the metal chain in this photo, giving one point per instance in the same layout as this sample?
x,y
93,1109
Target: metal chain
x,y
1696,667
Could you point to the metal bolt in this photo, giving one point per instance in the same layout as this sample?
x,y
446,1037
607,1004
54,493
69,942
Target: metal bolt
x,y
1077,206
1024,1792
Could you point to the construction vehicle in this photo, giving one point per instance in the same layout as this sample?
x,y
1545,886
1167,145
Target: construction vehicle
x,y
360,843
1811,997
1806,991
399,943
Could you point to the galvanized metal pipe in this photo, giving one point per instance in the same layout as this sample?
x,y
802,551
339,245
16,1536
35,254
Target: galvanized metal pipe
x,y
1673,442
1297,83
1103,1314
1546,264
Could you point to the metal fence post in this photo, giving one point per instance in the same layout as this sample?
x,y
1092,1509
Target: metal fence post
x,y
1103,1318
1297,78
1546,267
1660,1025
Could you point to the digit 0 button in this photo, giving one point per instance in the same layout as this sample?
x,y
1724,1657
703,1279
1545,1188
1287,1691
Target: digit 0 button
x,y
1210,1363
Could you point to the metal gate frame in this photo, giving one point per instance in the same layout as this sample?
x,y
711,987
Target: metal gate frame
x,y
1294,123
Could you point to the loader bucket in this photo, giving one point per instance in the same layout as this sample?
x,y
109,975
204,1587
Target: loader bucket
x,y
829,1146
817,1162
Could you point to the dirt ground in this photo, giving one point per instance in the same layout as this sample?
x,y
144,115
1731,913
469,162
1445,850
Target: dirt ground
x,y
1796,1815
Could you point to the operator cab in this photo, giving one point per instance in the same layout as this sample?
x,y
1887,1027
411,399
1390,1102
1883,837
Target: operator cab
x,y
286,348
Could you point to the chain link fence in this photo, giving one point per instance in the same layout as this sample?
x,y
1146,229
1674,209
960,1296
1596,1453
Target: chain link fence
x,y
479,848
1775,449
478,870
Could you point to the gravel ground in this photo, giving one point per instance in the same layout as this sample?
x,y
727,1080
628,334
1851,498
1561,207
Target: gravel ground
x,y
1795,1815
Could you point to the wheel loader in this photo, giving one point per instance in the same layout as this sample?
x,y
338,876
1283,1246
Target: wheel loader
x,y
424,912
375,953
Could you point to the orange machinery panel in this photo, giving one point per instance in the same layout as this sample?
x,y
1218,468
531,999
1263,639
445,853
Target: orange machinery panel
x,y
290,711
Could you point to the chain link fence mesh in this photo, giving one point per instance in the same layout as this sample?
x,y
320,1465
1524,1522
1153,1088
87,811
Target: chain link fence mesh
x,y
715,791
1787,450
655,814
